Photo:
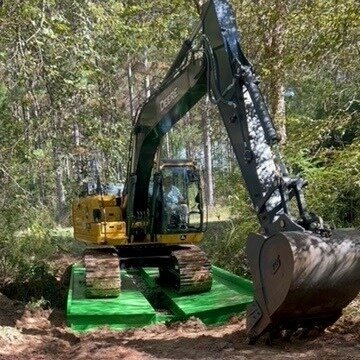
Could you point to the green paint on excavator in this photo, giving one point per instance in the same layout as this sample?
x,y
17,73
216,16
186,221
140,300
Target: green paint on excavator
x,y
229,296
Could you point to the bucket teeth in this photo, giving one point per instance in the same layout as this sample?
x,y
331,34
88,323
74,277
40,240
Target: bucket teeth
x,y
102,275
191,273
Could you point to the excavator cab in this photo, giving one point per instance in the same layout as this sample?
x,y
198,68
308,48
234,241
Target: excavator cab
x,y
181,205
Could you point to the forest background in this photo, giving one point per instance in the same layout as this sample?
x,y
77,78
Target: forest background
x,y
73,73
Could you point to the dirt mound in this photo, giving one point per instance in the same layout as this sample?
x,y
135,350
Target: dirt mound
x,y
349,324
10,311
36,336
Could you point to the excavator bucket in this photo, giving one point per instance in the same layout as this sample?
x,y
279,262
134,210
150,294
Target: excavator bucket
x,y
301,280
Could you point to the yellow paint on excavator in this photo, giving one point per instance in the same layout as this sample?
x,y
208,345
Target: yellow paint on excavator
x,y
98,220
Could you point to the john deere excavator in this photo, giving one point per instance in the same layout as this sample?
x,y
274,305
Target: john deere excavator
x,y
303,272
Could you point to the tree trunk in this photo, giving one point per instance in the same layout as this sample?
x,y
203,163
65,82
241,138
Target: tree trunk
x,y
59,184
59,187
189,145
131,89
273,53
279,113
147,77
79,168
206,125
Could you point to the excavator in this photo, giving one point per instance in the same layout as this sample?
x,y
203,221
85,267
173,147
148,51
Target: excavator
x,y
304,273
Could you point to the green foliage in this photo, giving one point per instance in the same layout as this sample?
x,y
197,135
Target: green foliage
x,y
225,243
62,239
225,240
321,152
24,248
64,97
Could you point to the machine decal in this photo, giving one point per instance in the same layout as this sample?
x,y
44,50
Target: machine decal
x,y
169,99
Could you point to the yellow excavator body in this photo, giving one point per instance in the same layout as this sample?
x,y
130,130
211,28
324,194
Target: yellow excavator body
x,y
99,220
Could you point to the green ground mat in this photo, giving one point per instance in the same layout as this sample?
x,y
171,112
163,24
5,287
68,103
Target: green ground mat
x,y
230,295
129,310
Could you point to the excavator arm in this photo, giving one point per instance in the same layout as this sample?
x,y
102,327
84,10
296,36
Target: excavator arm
x,y
211,61
303,273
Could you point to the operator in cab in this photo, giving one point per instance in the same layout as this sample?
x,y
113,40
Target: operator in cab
x,y
175,204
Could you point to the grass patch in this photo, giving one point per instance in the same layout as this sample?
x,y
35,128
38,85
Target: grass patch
x,y
63,240
225,242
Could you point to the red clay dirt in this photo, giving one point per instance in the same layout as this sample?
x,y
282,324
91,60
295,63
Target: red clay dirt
x,y
41,334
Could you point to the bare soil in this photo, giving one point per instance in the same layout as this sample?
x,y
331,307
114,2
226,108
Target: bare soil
x,y
28,333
